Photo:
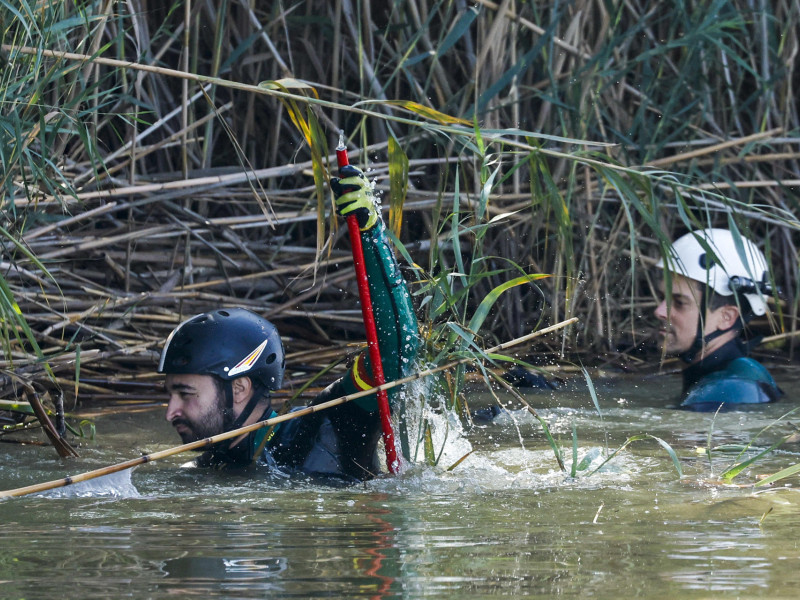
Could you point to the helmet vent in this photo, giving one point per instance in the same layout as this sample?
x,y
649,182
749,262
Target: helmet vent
x,y
705,261
270,359
181,360
182,342
223,313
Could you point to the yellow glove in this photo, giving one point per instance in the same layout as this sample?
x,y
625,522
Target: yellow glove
x,y
353,195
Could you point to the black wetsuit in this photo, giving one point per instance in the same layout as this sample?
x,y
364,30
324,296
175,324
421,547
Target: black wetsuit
x,y
728,378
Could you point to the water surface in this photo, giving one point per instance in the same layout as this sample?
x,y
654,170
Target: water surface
x,y
505,522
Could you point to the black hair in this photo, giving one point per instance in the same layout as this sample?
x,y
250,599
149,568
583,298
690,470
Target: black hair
x,y
714,300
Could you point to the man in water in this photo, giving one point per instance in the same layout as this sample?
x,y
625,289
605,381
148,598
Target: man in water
x,y
221,367
718,283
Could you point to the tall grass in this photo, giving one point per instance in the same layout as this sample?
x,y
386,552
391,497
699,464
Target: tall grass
x,y
136,195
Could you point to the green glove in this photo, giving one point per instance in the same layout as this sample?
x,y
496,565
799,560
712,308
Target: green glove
x,y
353,195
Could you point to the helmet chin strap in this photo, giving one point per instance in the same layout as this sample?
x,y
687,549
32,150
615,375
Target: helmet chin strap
x,y
258,395
227,411
700,340
241,454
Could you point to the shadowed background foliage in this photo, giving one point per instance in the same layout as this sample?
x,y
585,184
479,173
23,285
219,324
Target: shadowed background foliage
x,y
584,136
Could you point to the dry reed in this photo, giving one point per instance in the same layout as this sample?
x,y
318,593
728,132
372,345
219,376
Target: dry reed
x,y
135,198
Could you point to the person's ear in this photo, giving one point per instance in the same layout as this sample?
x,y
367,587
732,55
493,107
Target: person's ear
x,y
242,389
728,315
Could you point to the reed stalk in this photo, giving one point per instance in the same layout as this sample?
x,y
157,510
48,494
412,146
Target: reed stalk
x,y
151,171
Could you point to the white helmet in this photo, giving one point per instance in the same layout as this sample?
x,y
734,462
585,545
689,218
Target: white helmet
x,y
731,268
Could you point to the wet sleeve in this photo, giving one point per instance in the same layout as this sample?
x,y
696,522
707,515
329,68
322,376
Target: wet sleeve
x,y
395,320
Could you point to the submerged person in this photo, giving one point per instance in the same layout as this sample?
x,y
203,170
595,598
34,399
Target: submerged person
x,y
713,296
221,367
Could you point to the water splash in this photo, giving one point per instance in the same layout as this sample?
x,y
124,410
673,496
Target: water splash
x,y
114,485
425,410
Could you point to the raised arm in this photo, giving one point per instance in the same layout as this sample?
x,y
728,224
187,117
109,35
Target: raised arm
x,y
395,320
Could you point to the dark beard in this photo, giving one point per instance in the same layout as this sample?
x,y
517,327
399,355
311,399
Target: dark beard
x,y
208,425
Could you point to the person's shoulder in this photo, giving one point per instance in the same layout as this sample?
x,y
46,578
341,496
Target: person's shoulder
x,y
749,368
743,381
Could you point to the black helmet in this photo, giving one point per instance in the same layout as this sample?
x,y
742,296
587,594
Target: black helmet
x,y
228,343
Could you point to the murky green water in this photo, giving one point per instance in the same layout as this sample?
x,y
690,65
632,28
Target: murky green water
x,y
505,522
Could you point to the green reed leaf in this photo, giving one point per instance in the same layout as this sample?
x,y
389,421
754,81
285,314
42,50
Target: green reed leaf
x,y
398,184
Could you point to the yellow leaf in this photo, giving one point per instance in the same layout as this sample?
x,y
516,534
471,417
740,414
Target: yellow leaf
x,y
427,112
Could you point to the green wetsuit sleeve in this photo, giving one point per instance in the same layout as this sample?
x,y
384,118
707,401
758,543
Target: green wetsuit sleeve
x,y
395,321
342,441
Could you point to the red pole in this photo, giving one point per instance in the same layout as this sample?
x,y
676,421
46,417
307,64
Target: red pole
x,y
369,325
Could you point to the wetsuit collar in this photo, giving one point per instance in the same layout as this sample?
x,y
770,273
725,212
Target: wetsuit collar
x,y
716,361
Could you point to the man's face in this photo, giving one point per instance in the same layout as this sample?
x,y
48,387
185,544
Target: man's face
x,y
679,320
196,406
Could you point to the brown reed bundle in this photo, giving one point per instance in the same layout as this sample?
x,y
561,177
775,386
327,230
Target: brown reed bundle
x,y
136,197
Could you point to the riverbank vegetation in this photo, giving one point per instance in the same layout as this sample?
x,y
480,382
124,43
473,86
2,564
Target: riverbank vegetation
x,y
161,159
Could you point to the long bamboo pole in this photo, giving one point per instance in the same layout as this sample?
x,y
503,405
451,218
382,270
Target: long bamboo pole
x,y
204,443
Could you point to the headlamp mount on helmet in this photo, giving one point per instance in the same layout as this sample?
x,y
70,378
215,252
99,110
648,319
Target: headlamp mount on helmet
x,y
745,285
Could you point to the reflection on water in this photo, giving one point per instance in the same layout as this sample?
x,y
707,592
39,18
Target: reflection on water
x,y
195,575
505,522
